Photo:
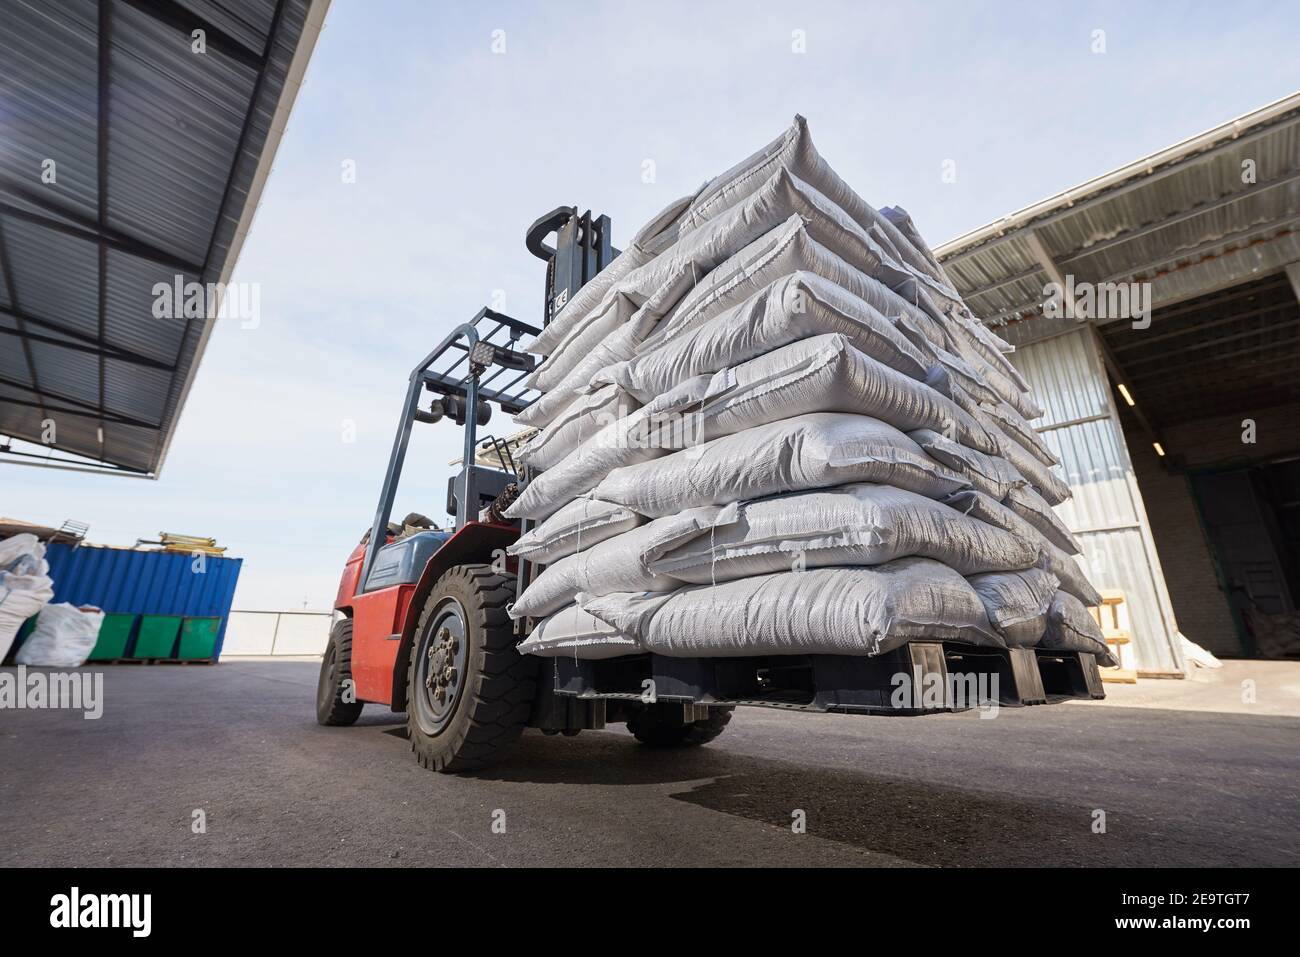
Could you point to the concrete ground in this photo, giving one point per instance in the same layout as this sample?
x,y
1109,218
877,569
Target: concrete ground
x,y
1186,773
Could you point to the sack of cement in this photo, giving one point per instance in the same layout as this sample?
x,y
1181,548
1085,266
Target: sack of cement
x,y
582,523
991,474
794,307
1017,603
574,633
820,450
822,611
64,637
1071,628
1055,560
614,565
579,422
850,525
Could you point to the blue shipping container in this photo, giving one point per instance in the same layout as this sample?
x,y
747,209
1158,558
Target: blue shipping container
x,y
149,583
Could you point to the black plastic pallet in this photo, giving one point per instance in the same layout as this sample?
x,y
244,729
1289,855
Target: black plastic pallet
x,y
922,677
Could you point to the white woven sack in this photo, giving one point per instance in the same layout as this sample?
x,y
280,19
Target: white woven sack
x,y
858,524
826,611
819,450
574,633
1017,603
582,523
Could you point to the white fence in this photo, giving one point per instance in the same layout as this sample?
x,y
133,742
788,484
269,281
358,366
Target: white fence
x,y
276,633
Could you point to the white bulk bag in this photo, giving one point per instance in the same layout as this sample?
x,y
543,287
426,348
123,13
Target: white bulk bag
x,y
582,523
828,611
793,307
1017,603
25,584
64,637
1070,627
614,565
574,633
856,524
819,450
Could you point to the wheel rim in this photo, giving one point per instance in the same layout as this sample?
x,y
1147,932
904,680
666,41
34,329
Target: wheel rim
x,y
328,675
440,672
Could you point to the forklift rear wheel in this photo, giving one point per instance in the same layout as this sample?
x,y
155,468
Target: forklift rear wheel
x,y
660,725
469,693
336,697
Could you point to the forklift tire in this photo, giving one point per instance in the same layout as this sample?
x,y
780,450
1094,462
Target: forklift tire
x,y
660,725
335,682
469,693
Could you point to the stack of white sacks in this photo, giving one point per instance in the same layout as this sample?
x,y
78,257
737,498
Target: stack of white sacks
x,y
771,426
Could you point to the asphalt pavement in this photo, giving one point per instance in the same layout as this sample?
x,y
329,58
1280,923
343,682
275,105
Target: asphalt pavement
x,y
235,748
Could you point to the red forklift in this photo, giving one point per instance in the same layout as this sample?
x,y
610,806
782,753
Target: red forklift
x,y
423,624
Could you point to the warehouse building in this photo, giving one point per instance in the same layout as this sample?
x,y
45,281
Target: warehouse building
x,y
1166,356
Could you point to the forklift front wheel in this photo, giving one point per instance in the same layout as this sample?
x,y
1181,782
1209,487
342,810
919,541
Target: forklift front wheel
x,y
336,699
469,693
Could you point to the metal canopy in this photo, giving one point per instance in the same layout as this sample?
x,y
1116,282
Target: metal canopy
x,y
1213,211
127,159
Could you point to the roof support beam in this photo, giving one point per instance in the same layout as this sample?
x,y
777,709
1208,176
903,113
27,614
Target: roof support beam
x,y
7,274
101,223
89,407
180,19
89,231
90,348
1044,259
110,351
1293,276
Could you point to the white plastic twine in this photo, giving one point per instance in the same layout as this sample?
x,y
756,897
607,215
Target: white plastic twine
x,y
713,552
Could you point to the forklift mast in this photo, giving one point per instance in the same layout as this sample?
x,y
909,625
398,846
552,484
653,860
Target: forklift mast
x,y
480,365
582,249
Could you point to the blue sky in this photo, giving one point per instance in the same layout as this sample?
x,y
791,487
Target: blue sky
x,y
457,149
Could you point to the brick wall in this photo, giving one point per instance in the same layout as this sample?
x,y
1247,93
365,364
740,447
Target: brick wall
x,y
1199,604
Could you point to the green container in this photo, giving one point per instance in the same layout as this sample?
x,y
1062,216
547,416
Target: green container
x,y
199,638
114,634
157,636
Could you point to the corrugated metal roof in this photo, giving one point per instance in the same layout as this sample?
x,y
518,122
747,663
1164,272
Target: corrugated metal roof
x,y
160,153
1189,220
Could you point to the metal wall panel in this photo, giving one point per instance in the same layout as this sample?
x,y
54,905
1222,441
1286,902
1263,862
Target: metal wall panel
x,y
144,582
1106,514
